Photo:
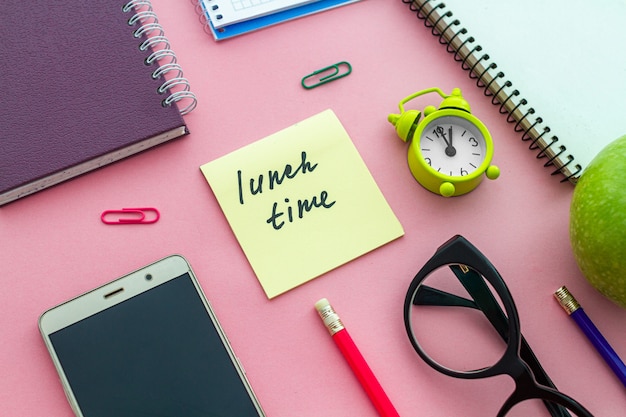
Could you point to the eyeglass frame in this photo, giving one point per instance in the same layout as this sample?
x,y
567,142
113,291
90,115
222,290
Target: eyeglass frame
x,y
518,360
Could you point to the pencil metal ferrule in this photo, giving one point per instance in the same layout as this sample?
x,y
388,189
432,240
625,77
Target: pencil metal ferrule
x,y
331,319
567,300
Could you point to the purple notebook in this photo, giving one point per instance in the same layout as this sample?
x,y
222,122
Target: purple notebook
x,y
78,92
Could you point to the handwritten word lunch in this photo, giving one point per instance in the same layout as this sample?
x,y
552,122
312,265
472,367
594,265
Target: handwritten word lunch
x,y
289,211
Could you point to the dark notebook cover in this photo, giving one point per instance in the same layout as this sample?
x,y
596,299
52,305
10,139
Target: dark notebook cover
x,y
76,93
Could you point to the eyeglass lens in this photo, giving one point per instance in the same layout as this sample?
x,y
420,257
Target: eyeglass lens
x,y
451,330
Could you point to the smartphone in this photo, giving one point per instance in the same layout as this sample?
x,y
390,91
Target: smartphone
x,y
147,344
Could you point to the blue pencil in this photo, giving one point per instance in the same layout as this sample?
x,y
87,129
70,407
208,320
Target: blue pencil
x,y
571,306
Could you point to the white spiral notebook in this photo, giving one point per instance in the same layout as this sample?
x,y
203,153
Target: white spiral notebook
x,y
556,69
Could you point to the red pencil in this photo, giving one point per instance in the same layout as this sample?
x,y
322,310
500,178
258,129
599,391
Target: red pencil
x,y
355,359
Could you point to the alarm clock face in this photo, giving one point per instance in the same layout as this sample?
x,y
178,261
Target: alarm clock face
x,y
452,146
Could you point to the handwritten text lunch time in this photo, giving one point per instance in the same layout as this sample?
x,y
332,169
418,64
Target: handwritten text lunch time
x,y
286,211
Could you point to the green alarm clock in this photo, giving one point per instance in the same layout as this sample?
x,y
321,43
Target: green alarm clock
x,y
450,149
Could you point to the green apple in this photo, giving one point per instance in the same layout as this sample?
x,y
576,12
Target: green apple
x,y
598,221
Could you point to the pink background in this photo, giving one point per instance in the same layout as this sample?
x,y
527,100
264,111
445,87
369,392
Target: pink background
x,y
54,247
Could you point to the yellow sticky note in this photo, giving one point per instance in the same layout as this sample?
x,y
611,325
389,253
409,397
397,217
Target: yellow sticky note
x,y
301,202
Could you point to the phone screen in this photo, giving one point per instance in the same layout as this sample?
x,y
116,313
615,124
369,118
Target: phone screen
x,y
155,354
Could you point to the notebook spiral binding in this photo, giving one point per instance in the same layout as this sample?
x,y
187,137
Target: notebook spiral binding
x,y
154,41
204,20
481,68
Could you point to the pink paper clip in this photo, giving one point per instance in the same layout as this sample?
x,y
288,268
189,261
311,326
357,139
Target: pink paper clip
x,y
130,216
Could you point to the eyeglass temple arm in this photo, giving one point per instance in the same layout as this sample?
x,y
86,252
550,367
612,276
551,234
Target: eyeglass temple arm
x,y
430,296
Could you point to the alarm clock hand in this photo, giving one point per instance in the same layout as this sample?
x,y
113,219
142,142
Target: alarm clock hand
x,y
450,151
441,132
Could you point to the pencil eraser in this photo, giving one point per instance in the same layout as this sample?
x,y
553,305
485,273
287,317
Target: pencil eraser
x,y
321,304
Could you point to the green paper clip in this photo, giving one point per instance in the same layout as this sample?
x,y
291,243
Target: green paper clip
x,y
327,74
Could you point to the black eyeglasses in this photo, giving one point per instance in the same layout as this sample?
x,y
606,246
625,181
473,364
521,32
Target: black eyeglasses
x,y
481,337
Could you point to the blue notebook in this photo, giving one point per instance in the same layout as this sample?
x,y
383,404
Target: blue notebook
x,y
246,26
